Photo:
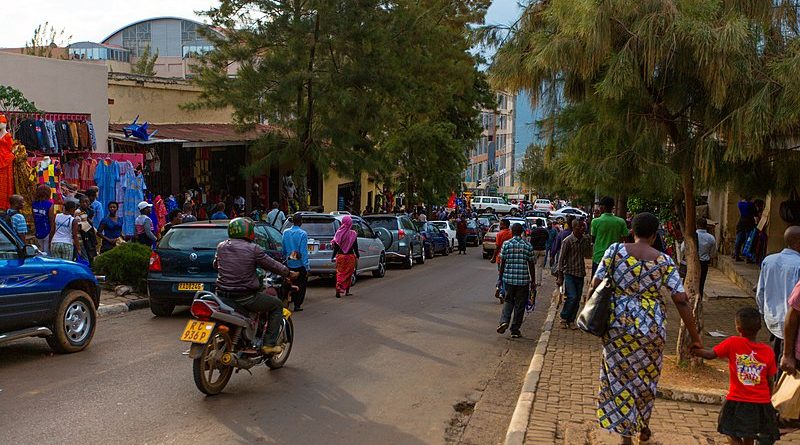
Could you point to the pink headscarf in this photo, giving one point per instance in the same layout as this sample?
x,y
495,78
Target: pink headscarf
x,y
345,236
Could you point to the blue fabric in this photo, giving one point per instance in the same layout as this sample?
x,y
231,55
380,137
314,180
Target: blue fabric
x,y
295,244
106,177
219,215
134,194
112,229
573,289
99,214
779,273
41,218
516,254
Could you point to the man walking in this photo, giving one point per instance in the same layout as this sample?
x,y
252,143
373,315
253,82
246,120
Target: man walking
x,y
502,236
517,267
707,250
606,230
556,248
746,224
552,233
295,250
572,271
276,217
779,274
539,236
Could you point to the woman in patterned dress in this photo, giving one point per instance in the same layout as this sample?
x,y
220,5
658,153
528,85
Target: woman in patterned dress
x,y
634,345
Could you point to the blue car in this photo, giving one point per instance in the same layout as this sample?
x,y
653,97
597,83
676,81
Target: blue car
x,y
45,297
435,240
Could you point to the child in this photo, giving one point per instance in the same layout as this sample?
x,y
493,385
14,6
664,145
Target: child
x,y
748,414
17,202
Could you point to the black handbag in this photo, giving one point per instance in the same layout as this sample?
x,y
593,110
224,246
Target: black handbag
x,y
596,312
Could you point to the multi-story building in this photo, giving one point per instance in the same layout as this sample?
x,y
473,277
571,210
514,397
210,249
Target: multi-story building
x,y
491,161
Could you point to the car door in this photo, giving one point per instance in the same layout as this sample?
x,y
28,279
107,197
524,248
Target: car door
x,y
29,287
368,245
413,234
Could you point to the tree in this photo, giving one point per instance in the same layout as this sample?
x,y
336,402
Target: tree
x,y
679,91
146,63
12,99
45,39
334,76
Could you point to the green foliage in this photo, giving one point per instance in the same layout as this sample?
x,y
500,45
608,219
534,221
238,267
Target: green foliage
x,y
12,99
126,264
347,81
45,39
146,63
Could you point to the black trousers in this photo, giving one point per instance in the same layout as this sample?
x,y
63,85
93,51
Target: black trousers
x,y
703,275
301,282
263,304
514,306
777,348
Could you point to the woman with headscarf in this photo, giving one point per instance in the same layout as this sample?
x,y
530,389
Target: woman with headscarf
x,y
345,255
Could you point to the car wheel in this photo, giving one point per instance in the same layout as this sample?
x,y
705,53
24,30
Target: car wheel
x,y
74,324
429,252
408,263
353,279
380,272
421,259
161,309
452,246
446,250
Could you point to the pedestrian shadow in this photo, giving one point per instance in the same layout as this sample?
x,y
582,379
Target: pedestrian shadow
x,y
320,408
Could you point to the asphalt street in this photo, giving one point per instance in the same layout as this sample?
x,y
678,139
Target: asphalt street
x,y
383,366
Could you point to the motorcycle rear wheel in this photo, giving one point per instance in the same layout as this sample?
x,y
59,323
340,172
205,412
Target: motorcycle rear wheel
x,y
209,361
285,339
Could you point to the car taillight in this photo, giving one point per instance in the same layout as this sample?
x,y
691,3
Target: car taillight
x,y
528,232
201,310
489,238
155,263
322,246
401,234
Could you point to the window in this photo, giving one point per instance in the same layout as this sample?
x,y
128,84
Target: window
x,y
368,233
275,237
190,51
408,225
8,248
136,38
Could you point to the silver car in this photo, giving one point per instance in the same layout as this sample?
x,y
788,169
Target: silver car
x,y
321,227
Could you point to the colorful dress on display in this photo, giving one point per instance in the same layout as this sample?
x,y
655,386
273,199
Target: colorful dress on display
x,y
134,194
106,176
6,170
634,345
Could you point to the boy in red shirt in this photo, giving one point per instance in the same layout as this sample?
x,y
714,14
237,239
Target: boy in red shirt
x,y
748,414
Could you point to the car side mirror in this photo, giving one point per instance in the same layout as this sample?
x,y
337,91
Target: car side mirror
x,y
30,251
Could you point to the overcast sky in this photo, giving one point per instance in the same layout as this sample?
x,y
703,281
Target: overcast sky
x,y
94,20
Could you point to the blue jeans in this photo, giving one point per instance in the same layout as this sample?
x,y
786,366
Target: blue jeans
x,y
741,240
573,289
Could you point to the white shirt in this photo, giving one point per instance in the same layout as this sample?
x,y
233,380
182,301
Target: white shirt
x,y
276,218
63,232
706,245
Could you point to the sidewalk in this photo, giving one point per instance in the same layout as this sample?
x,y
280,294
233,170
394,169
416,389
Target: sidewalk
x,y
564,404
111,303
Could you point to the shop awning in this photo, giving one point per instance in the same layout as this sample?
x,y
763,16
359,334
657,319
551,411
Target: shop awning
x,y
196,135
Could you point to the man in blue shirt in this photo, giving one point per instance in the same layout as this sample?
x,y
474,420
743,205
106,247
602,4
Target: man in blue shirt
x,y
779,273
295,250
98,213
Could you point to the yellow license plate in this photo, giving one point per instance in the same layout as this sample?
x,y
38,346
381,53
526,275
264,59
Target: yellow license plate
x,y
190,286
310,247
198,331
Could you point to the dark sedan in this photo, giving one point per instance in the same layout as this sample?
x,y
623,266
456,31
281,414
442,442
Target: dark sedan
x,y
474,233
182,262
435,240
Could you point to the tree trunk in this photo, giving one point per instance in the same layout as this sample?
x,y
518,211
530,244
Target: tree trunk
x,y
622,206
692,280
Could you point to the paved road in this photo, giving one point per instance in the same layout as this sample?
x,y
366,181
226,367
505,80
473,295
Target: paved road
x,y
383,366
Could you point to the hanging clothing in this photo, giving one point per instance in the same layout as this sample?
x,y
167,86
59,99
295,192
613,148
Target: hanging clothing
x,y
26,134
40,135
52,138
92,136
63,136
73,134
124,168
84,142
106,176
24,177
134,194
160,211
171,204
6,170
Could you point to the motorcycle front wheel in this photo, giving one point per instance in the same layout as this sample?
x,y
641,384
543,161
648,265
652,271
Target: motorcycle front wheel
x,y
285,339
210,374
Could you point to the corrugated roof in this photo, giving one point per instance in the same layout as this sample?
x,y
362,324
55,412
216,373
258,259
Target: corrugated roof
x,y
201,132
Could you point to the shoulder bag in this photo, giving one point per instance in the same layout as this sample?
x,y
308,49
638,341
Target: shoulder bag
x,y
597,310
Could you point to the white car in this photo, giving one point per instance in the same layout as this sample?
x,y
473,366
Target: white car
x,y
532,221
564,212
450,229
493,204
544,205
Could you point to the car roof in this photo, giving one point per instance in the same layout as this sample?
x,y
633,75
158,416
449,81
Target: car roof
x,y
206,223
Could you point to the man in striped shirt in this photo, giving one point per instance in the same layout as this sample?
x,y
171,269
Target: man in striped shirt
x,y
517,268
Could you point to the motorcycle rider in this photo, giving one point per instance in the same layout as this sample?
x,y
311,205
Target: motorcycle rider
x,y
236,261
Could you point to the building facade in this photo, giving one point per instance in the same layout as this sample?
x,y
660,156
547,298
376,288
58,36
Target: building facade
x,y
491,167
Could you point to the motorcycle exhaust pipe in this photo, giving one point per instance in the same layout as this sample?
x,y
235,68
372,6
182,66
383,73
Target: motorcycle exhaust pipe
x,y
230,359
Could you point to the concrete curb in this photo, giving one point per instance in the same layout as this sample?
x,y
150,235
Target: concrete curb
x,y
106,310
515,435
683,395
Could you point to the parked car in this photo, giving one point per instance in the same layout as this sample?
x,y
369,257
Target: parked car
x,y
532,221
564,212
474,233
450,228
406,242
538,213
543,204
182,262
493,204
489,241
322,227
435,240
45,297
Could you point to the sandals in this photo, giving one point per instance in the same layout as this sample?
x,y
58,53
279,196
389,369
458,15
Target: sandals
x,y
645,435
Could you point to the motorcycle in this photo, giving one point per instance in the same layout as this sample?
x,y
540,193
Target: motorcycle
x,y
227,338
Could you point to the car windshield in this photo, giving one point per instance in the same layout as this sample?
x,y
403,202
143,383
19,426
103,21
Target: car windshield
x,y
440,225
386,223
193,238
319,227
494,228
